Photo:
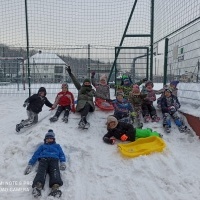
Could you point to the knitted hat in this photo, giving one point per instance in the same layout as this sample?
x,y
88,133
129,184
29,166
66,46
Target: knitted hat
x,y
64,85
103,77
120,93
175,83
50,134
42,89
168,89
112,119
86,80
149,83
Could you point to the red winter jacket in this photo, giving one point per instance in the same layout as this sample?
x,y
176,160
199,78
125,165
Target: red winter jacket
x,y
65,99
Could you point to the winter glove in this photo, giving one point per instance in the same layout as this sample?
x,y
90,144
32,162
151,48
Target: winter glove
x,y
172,110
28,169
112,141
177,106
124,137
62,166
25,104
144,79
52,108
68,70
133,114
93,73
73,109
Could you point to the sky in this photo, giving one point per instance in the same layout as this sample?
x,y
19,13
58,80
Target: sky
x,y
95,170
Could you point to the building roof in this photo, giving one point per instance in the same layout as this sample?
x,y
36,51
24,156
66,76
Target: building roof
x,y
46,58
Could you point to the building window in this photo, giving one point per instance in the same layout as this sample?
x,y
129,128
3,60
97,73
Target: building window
x,y
58,69
45,68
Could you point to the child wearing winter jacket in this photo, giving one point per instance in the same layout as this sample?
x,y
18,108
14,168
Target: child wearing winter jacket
x,y
102,88
148,110
65,100
169,107
172,85
49,155
124,131
122,108
34,106
85,102
136,99
126,85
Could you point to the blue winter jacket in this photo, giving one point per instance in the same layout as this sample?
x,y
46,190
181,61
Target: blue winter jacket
x,y
48,151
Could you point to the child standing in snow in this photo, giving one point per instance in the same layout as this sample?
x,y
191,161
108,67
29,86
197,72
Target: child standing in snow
x,y
136,98
122,108
169,107
65,100
148,110
34,106
172,85
48,154
124,132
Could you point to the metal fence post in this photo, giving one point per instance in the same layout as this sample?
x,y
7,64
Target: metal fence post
x,y
165,61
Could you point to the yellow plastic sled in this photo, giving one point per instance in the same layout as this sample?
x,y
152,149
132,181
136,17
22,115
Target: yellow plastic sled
x,y
142,146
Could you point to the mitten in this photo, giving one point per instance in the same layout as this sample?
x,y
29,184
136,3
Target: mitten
x,y
68,70
62,166
133,114
112,141
93,73
177,106
124,137
28,169
144,79
172,109
73,109
25,104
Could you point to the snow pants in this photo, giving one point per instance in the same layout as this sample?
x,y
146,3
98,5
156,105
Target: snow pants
x,y
48,166
143,133
61,108
84,111
175,117
32,118
148,109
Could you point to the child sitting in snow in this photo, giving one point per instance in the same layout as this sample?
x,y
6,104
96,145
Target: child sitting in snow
x,y
136,98
122,108
148,110
34,106
124,132
126,85
102,88
169,107
65,100
48,154
172,85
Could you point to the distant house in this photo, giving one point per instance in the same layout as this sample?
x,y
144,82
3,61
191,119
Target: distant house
x,y
45,67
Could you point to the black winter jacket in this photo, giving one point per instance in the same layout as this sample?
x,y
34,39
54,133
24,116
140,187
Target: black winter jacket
x,y
36,103
121,129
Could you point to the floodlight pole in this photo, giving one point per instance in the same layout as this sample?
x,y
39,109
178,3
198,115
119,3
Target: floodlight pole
x,y
27,48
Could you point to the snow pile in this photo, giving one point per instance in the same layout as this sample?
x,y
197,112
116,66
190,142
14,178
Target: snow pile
x,y
95,170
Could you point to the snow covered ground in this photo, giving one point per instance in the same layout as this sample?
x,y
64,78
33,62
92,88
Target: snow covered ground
x,y
95,170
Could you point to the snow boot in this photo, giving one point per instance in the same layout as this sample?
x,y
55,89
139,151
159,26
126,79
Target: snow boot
x,y
167,128
18,127
155,118
65,119
37,190
53,119
55,192
83,123
147,118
